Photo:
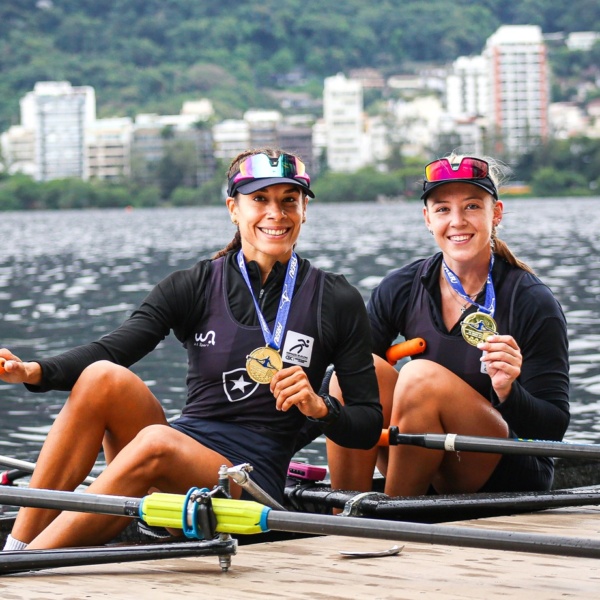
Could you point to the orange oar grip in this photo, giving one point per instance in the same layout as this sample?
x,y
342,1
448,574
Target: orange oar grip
x,y
384,438
408,348
2,361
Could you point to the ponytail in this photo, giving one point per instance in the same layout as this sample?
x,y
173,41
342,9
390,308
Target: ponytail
x,y
501,249
234,244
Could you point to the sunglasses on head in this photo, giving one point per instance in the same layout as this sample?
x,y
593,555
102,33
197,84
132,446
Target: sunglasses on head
x,y
469,168
261,166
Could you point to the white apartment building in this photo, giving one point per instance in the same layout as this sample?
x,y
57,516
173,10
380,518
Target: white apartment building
x,y
518,88
58,114
467,87
231,137
263,126
343,117
18,150
417,124
108,148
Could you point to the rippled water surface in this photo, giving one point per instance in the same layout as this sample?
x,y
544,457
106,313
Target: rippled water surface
x,y
69,277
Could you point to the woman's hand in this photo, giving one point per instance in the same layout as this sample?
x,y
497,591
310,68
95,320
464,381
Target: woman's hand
x,y
291,388
14,370
503,361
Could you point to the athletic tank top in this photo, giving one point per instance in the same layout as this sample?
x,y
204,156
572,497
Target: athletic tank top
x,y
452,351
219,387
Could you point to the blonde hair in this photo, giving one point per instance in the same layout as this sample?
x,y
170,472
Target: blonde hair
x,y
499,173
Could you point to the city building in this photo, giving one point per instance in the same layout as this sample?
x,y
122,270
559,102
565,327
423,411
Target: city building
x,y
467,87
519,91
18,150
263,128
58,114
184,134
108,149
231,137
344,123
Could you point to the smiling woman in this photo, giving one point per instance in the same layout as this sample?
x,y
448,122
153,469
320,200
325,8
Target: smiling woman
x,y
496,358
260,326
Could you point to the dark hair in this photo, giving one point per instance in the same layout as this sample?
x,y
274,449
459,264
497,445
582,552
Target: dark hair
x,y
236,242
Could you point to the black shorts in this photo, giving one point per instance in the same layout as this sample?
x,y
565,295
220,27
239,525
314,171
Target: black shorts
x,y
520,473
268,456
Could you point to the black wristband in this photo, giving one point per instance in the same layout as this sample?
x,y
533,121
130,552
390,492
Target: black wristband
x,y
333,410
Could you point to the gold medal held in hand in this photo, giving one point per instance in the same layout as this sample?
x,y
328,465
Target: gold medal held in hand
x,y
263,363
477,327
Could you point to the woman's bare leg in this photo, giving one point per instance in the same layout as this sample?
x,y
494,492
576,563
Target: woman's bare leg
x,y
160,457
431,399
352,469
108,406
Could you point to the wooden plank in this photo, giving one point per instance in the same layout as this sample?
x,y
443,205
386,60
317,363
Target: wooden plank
x,y
313,568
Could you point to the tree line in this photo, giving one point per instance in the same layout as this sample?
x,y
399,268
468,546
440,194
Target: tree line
x,y
556,168
150,55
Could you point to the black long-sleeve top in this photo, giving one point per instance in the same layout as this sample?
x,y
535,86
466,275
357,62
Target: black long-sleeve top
x,y
178,302
538,404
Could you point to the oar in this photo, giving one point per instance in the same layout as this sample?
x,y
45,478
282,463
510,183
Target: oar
x,y
452,442
29,467
34,560
247,517
9,477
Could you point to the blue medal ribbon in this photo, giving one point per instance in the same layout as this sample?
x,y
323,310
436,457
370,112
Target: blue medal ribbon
x,y
274,339
489,307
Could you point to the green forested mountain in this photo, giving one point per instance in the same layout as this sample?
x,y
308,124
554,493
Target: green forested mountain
x,y
149,55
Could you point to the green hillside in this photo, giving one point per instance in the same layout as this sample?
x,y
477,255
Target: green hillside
x,y
150,55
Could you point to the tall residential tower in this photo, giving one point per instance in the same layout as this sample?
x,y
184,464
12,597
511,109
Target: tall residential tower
x,y
518,88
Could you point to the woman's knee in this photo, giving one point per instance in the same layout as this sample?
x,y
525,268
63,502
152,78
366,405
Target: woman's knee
x,y
155,444
104,380
421,384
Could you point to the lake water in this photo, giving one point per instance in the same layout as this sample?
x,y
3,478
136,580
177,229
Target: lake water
x,y
69,277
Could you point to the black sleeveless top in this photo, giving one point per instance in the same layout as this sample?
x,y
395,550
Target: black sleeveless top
x,y
452,351
219,387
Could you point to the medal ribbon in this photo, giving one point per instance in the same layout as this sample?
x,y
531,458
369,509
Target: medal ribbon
x,y
489,306
274,339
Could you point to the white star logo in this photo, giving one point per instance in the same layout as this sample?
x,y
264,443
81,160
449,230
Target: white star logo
x,y
240,384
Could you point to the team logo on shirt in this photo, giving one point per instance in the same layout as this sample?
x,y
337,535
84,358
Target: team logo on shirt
x,y
202,340
298,348
237,385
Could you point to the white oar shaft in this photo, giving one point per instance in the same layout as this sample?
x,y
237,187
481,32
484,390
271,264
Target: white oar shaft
x,y
29,467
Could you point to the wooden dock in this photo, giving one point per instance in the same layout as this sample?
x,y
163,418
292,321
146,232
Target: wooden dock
x,y
313,568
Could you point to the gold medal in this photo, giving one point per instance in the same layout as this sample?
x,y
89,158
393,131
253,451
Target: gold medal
x,y
477,327
263,363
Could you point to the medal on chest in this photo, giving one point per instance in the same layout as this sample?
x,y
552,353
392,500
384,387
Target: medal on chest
x,y
262,363
477,327
480,325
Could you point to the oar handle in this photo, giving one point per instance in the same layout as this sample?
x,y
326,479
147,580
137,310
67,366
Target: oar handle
x,y
452,442
403,349
2,361
9,477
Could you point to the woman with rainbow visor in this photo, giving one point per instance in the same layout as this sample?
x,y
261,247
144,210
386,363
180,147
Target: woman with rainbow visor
x,y
496,358
260,325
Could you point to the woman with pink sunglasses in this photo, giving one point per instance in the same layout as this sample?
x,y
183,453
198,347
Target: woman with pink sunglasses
x,y
496,359
260,326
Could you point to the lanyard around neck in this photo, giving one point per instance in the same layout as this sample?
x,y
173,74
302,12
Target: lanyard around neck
x,y
273,339
489,306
